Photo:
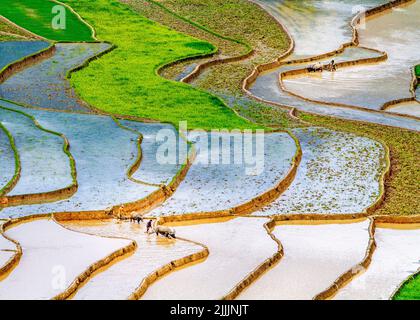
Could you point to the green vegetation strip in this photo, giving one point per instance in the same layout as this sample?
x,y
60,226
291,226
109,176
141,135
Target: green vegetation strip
x,y
237,19
126,80
410,289
38,16
9,37
11,33
16,175
418,71
199,26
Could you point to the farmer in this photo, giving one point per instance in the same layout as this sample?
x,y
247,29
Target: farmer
x,y
120,212
333,66
149,226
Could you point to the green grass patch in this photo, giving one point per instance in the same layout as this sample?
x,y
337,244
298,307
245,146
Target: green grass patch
x,y
9,32
240,20
4,37
125,81
410,290
264,114
418,71
159,13
37,17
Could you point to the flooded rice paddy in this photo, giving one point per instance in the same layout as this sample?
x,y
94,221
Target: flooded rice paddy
x,y
45,83
151,169
12,51
371,86
213,186
396,258
339,173
411,108
7,159
317,26
314,257
53,258
237,247
44,165
309,22
103,153
152,253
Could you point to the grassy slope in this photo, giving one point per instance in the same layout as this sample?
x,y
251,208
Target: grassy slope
x,y
126,81
418,71
410,290
6,29
36,16
402,189
226,79
238,19
155,12
4,37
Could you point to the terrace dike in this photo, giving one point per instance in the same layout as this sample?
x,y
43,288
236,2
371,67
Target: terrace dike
x,y
150,202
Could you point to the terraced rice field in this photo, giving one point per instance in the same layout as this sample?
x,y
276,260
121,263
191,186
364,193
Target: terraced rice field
x,y
336,169
371,86
314,257
120,180
331,30
53,258
225,267
7,159
213,185
123,74
44,85
93,141
297,18
152,253
45,166
396,258
151,170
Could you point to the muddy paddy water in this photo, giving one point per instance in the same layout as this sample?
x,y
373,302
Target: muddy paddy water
x,y
396,258
315,255
371,86
12,51
237,247
103,153
215,186
7,159
126,275
52,259
317,28
44,165
7,248
339,173
410,108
